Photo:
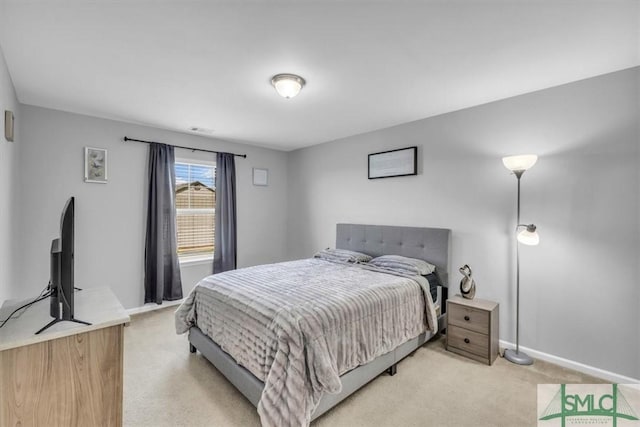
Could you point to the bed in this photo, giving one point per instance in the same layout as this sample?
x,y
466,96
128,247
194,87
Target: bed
x,y
289,358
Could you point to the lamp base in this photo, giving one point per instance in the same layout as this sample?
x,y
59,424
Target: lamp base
x,y
518,357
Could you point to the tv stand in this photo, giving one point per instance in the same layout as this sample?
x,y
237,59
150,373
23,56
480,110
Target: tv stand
x,y
54,321
68,375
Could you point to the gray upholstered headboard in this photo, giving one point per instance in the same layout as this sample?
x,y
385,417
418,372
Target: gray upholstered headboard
x,y
429,244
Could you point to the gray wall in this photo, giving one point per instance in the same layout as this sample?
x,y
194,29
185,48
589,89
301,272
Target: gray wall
x,y
579,287
110,218
8,179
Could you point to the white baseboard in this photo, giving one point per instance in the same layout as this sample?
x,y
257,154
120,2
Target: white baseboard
x,y
151,306
577,366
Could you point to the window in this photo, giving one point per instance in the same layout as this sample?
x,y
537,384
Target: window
x,y
195,208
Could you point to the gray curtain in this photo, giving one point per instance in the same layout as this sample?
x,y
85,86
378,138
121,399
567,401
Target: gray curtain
x,y
224,254
161,265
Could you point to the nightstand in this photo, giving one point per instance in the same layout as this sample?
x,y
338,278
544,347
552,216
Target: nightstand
x,y
472,328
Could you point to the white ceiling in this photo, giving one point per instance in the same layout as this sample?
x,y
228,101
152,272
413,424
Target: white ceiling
x,y
368,65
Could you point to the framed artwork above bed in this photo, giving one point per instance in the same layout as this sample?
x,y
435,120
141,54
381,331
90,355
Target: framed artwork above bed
x,y
392,163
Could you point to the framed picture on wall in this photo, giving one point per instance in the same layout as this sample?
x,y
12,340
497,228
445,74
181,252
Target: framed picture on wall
x,y
95,165
387,164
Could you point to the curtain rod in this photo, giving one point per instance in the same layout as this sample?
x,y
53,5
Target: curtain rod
x,y
126,138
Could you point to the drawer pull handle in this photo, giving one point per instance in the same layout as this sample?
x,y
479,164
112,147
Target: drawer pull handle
x,y
466,318
466,340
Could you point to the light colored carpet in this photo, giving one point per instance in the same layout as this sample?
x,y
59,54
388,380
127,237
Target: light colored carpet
x,y
165,385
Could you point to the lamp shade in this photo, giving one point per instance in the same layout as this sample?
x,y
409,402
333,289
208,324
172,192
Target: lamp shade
x,y
287,85
529,236
519,163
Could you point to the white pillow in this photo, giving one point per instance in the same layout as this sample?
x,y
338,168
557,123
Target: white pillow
x,y
343,255
403,264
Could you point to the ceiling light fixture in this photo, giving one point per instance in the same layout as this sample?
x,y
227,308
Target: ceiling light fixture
x,y
287,85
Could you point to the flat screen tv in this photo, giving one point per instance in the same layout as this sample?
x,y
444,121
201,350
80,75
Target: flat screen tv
x,y
61,270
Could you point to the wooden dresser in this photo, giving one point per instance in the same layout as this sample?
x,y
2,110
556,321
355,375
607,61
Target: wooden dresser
x,y
472,328
69,375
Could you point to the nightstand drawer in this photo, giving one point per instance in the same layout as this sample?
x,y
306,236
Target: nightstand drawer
x,y
472,328
469,341
469,318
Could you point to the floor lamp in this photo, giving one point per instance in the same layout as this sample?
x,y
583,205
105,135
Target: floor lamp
x,y
526,234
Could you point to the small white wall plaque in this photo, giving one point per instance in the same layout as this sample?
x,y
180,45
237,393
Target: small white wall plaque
x,y
8,125
260,177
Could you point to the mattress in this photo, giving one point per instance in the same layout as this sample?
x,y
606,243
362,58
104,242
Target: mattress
x,y
297,326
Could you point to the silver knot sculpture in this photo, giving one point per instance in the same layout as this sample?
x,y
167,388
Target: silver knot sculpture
x,y
467,284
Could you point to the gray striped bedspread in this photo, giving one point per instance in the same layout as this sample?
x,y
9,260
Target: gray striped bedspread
x,y
299,325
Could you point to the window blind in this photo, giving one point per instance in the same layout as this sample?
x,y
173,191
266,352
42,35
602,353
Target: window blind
x,y
195,208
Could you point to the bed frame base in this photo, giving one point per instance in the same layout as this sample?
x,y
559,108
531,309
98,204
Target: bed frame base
x,y
251,387
393,369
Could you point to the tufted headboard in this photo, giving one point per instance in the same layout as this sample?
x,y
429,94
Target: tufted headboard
x,y
429,244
